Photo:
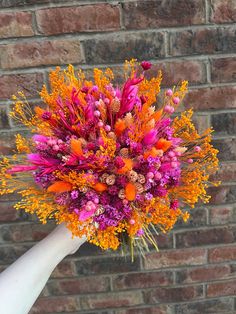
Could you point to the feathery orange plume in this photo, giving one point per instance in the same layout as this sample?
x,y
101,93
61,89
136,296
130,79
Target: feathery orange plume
x,y
100,187
163,144
76,147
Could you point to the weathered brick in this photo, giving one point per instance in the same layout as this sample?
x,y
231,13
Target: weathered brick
x,y
224,123
38,53
176,71
25,232
203,41
175,294
106,265
64,270
8,254
206,306
222,254
223,12
175,258
152,14
158,309
223,70
111,300
7,212
201,237
7,142
85,18
198,217
117,47
221,288
222,194
142,280
203,274
211,98
227,149
29,83
4,121
226,172
222,215
13,3
15,24
201,122
55,304
79,286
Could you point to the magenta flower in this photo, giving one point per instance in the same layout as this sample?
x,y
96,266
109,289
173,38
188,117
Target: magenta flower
x,y
146,65
150,138
85,214
129,95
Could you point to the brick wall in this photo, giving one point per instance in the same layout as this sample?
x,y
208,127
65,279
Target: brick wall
x,y
195,271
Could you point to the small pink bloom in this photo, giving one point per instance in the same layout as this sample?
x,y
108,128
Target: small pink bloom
x,y
169,92
146,65
176,100
190,160
132,221
197,149
158,175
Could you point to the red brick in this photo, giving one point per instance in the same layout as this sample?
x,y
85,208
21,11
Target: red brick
x,y
222,194
85,18
152,14
203,41
158,309
223,12
203,274
15,24
55,304
222,215
175,258
175,294
38,53
29,83
200,237
79,286
226,172
222,254
211,98
14,3
142,280
221,288
111,300
176,71
223,70
64,269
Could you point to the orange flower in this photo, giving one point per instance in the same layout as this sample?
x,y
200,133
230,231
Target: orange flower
x,y
76,147
127,167
100,187
130,191
120,126
59,187
163,144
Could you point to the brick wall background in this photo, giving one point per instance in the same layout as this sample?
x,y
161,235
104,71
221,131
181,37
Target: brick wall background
x,y
195,271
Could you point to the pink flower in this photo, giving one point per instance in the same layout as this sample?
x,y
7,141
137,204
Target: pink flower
x,y
21,168
129,95
40,138
85,214
150,138
146,65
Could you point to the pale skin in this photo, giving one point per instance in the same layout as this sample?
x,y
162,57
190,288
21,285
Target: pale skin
x,y
22,282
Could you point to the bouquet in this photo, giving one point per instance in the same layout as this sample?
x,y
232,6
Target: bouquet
x,y
109,161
